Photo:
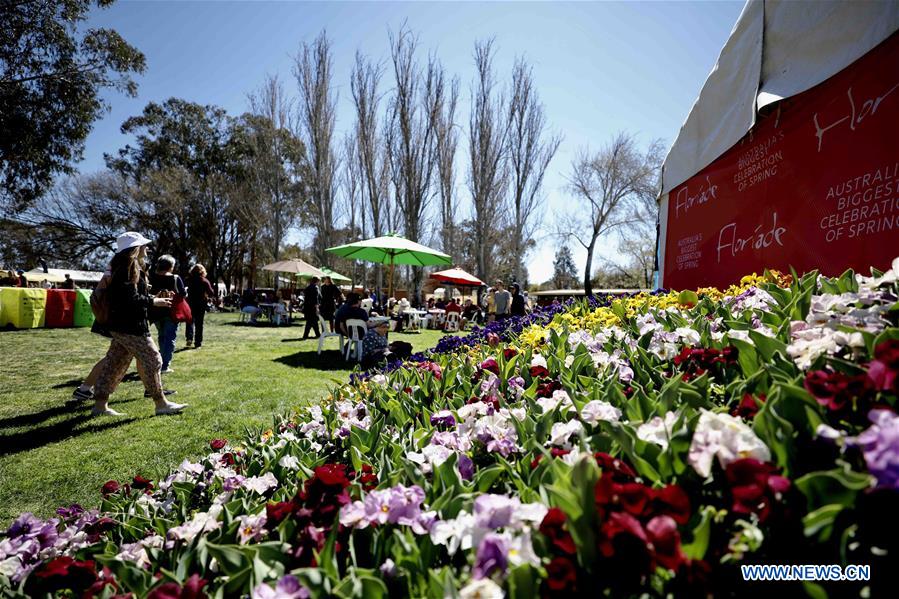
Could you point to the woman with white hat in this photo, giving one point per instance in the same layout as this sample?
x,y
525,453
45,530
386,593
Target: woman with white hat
x,y
128,299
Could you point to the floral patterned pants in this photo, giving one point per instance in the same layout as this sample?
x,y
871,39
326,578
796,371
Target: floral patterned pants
x,y
118,357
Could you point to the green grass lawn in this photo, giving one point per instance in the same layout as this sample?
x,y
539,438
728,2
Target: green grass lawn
x,y
52,454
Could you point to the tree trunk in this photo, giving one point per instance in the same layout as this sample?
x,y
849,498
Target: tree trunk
x,y
588,284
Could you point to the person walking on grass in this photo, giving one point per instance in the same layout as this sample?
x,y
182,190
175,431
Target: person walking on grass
x,y
199,292
311,300
519,307
331,298
502,301
128,301
165,283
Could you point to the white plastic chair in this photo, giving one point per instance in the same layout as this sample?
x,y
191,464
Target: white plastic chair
x,y
367,303
453,322
356,330
325,333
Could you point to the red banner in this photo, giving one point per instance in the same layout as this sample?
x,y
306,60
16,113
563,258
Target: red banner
x,y
813,185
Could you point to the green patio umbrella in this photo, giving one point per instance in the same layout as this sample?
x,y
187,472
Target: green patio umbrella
x,y
335,276
391,250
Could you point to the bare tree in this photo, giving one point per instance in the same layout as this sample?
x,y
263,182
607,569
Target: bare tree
x,y
413,107
369,146
317,113
530,152
353,183
276,165
609,183
447,136
487,141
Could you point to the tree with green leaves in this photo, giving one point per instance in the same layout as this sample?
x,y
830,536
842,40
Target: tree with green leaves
x,y
192,160
564,270
52,73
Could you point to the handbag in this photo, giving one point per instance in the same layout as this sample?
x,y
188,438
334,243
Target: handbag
x,y
180,310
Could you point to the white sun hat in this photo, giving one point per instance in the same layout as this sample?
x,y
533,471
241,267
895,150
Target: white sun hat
x,y
130,239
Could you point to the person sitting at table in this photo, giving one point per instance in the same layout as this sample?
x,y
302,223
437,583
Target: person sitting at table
x,y
249,304
452,306
374,344
351,308
440,304
470,311
430,304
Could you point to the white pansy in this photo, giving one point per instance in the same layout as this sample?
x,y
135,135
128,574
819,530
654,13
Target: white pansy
x,y
596,410
430,457
725,437
687,335
538,360
483,588
562,431
657,430
559,397
379,379
456,533
289,462
521,550
200,523
261,484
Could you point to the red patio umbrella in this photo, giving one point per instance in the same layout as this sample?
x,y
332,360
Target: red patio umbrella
x,y
457,276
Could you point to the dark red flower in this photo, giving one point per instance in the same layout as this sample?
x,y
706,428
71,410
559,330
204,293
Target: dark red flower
x,y
749,406
62,573
509,353
662,533
110,487
139,482
366,477
228,459
755,487
561,575
192,589
493,339
546,389
275,513
332,474
884,369
619,470
631,497
490,365
539,372
836,390
552,527
217,444
672,501
622,531
99,526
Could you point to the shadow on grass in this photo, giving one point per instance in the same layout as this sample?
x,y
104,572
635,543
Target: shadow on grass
x,y
71,383
328,360
71,407
54,433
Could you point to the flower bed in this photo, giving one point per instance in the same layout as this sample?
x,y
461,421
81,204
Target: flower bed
x,y
651,444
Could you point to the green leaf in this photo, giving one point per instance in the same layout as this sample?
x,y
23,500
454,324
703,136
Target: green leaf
x,y
696,548
833,487
819,523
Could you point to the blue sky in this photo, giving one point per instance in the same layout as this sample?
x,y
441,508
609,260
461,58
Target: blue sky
x,y
600,67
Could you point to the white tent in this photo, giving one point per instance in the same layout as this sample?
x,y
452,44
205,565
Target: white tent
x,y
58,275
777,49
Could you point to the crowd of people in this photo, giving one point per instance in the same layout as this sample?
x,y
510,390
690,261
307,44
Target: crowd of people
x,y
126,302
129,300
